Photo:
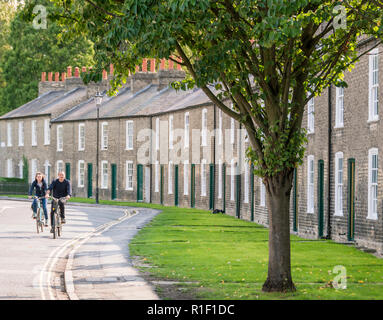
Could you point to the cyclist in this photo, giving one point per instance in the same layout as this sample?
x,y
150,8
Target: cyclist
x,y
61,188
40,187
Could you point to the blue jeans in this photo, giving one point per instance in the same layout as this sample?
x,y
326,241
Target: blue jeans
x,y
44,205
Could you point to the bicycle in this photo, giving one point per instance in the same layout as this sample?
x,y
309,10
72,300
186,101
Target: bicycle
x,y
56,221
39,215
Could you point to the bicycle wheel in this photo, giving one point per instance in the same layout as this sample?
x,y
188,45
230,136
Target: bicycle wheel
x,y
54,226
38,220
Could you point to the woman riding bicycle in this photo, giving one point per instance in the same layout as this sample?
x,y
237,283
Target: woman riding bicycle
x,y
40,187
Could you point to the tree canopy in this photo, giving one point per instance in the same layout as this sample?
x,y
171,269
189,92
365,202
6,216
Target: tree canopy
x,y
32,51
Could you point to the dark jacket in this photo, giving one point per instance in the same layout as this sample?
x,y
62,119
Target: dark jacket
x,y
40,191
60,189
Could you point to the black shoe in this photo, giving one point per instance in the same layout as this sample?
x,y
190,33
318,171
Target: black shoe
x,y
51,230
63,221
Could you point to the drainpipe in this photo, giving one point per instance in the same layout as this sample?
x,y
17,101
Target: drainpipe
x,y
151,158
329,164
214,151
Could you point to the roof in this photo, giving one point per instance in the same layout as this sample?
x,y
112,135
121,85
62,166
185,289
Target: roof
x,y
47,103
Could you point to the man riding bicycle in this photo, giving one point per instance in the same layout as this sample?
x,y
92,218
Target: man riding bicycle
x,y
40,187
61,189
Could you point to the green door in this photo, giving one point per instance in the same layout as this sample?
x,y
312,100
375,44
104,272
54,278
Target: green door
x,y
176,185
224,186
252,192
140,183
192,186
238,195
295,202
162,185
90,180
320,197
351,199
114,181
67,171
211,188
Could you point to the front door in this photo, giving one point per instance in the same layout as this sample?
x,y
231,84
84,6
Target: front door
x,y
140,183
67,171
114,181
90,180
176,185
351,200
211,184
192,186
320,197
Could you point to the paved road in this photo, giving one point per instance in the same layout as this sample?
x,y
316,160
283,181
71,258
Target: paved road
x,y
96,238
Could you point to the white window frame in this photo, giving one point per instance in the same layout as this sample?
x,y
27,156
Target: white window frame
x,y
203,178
81,137
339,108
60,138
232,131
21,133
33,169
186,177
170,177
21,168
262,193
34,133
157,177
157,133
311,116
220,133
81,173
129,167
373,85
47,132
104,136
246,183
339,173
104,174
310,184
187,130
232,180
10,173
48,172
373,185
171,133
9,134
59,166
129,134
204,128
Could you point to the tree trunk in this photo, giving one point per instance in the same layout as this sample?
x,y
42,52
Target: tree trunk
x,y
278,190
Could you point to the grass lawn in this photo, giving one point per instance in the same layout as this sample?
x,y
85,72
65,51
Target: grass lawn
x,y
221,257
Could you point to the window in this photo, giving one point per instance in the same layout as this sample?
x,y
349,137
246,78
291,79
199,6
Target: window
x,y
60,143
157,133
262,193
59,166
171,132
10,168
310,116
157,177
21,169
33,169
81,137
310,184
81,173
34,132
204,127
9,134
339,184
246,191
220,127
104,175
186,177
47,168
339,107
232,171
129,175
219,179
129,135
373,184
203,178
170,177
187,126
373,94
21,133
47,132
232,131
104,136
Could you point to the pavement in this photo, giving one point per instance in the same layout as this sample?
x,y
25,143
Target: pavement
x,y
90,261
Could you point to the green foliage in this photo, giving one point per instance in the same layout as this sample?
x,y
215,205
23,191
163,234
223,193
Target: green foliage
x,y
293,55
33,51
25,168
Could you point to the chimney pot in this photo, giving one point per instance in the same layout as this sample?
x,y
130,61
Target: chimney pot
x,y
144,65
63,76
152,65
104,75
57,76
111,69
69,72
43,76
50,75
171,65
162,65
77,72
137,68
83,69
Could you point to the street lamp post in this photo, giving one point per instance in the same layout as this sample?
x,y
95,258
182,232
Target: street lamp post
x,y
98,98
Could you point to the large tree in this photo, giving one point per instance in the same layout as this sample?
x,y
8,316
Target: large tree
x,y
31,51
268,57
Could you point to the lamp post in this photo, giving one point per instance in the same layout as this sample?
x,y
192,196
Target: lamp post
x,y
98,98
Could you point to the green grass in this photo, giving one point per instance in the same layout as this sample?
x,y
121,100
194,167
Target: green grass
x,y
226,258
